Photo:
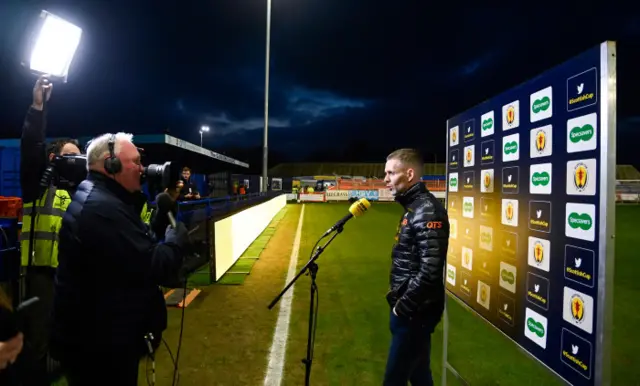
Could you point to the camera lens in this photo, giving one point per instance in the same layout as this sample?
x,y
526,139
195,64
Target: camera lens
x,y
154,171
164,175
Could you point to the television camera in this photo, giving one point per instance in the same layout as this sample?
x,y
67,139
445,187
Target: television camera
x,y
69,170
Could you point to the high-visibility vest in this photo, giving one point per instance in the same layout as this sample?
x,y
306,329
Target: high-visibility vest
x,y
49,209
145,215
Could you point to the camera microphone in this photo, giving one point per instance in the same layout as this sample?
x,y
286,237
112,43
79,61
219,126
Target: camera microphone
x,y
164,204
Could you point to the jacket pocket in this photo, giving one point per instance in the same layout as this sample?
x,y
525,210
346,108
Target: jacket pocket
x,y
395,293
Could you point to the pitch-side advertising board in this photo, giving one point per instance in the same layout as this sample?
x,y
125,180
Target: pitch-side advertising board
x,y
530,197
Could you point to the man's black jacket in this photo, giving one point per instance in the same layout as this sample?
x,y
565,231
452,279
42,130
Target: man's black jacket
x,y
33,154
110,266
188,188
418,257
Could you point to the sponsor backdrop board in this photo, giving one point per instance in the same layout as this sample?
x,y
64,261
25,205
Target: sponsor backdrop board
x,y
531,209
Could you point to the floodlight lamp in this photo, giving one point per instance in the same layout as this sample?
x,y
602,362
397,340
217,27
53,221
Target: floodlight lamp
x,y
55,46
204,129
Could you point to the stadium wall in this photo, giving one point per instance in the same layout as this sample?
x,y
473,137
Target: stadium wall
x,y
346,195
628,191
234,234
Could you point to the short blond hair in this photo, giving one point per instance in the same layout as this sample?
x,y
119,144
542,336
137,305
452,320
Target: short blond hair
x,y
409,158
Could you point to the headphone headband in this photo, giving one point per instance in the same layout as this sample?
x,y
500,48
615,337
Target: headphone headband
x,y
112,164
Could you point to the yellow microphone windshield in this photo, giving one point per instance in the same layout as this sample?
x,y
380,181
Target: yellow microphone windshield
x,y
359,207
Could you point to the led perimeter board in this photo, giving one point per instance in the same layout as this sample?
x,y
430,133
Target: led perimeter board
x,y
531,200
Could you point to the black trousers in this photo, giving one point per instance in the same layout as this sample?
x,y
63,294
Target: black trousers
x,y
40,283
109,367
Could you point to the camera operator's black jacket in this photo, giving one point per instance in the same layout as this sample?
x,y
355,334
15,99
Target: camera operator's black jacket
x,y
418,257
107,296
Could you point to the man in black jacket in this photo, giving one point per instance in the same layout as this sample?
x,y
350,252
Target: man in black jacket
x,y
107,297
416,295
189,190
39,267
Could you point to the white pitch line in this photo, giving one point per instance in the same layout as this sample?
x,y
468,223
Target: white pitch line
x,y
275,368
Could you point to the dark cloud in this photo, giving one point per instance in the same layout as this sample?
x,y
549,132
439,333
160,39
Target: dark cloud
x,y
354,77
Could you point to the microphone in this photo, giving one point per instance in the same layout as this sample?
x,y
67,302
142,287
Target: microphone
x,y
357,209
164,204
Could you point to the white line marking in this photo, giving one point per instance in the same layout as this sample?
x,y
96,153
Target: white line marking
x,y
275,368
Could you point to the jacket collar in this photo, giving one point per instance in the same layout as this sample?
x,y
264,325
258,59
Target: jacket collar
x,y
114,187
406,198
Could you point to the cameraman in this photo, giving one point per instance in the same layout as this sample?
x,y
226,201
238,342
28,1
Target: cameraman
x,y
107,298
50,204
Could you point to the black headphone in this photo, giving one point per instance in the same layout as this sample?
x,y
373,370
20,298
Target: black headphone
x,y
112,164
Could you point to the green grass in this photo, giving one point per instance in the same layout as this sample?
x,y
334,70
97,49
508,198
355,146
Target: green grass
x,y
232,279
228,329
353,336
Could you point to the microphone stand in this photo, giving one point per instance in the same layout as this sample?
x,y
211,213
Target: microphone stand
x,y
312,267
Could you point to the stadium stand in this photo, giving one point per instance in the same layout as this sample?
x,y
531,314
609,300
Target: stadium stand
x,y
343,169
627,184
368,176
623,172
627,172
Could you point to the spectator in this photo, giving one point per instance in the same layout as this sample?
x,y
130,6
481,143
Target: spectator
x,y
234,188
189,191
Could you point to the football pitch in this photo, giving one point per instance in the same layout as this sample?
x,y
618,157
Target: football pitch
x,y
228,330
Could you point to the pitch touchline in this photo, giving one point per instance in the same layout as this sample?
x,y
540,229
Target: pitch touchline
x,y
275,368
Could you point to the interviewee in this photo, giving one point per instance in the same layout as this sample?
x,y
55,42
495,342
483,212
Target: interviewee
x,y
107,297
416,294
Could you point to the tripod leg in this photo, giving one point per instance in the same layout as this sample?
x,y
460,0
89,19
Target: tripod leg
x,y
312,272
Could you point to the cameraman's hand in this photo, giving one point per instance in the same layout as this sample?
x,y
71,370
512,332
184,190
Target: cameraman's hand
x,y
42,85
178,236
173,193
10,350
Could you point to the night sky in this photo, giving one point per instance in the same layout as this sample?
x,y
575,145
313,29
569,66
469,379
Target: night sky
x,y
351,80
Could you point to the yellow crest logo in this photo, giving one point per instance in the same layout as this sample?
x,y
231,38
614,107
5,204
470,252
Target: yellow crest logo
x,y
541,140
509,211
483,293
454,135
577,308
580,176
467,258
487,180
538,252
469,155
511,114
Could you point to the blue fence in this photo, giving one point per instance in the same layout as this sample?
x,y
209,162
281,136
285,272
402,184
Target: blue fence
x,y
196,211
10,172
